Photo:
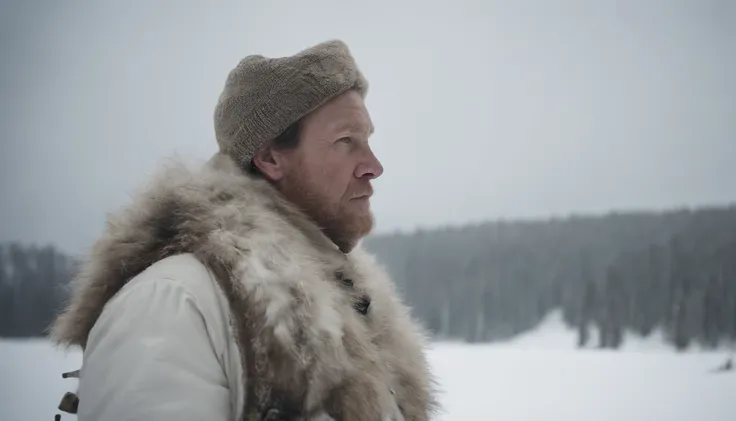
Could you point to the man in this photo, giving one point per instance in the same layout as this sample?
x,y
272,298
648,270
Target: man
x,y
239,291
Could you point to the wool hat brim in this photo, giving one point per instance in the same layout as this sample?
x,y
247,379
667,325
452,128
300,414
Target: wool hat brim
x,y
263,96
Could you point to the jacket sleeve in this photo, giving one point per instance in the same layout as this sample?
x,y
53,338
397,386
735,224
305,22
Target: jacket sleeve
x,y
150,357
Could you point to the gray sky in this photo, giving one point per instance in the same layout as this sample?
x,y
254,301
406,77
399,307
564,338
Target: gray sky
x,y
482,109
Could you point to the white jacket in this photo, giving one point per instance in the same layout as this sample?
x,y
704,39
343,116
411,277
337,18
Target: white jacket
x,y
162,350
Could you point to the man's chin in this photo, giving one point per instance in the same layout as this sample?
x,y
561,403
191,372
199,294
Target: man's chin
x,y
353,230
365,224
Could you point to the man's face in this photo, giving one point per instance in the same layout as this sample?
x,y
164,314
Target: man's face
x,y
329,174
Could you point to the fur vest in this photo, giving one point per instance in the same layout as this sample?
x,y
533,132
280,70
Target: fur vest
x,y
319,331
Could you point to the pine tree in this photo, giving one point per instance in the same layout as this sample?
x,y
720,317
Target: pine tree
x,y
712,308
587,313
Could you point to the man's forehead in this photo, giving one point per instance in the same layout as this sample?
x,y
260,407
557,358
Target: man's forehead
x,y
359,125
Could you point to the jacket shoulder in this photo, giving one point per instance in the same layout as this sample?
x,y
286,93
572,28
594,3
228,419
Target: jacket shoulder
x,y
190,279
186,276
185,270
168,322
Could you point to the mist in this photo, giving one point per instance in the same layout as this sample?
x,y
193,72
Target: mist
x,y
483,110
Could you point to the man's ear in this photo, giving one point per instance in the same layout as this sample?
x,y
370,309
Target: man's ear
x,y
270,163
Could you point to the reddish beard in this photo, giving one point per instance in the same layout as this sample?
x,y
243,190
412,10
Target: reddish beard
x,y
344,226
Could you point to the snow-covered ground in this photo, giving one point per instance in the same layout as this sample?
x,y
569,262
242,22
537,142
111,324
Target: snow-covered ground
x,y
538,376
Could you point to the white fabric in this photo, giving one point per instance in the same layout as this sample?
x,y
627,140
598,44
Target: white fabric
x,y
163,350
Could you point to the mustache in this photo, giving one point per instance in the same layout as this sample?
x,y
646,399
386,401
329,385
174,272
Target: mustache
x,y
364,192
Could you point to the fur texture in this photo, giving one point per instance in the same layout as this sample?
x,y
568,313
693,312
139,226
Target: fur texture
x,y
320,332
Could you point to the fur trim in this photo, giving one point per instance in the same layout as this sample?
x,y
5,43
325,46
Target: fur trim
x,y
293,296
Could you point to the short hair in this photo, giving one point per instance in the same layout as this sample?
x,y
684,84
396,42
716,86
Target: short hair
x,y
287,140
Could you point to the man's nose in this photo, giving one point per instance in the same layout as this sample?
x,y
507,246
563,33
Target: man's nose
x,y
369,168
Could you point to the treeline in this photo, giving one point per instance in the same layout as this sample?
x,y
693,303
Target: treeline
x,y
32,288
673,272
637,272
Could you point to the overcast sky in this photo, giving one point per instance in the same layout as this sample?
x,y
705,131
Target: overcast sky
x,y
483,109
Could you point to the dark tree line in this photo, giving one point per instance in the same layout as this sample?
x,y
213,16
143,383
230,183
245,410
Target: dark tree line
x,y
632,272
32,282
674,272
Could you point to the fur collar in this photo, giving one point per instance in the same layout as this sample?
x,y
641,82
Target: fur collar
x,y
292,295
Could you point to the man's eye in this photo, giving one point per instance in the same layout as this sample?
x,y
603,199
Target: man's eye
x,y
345,139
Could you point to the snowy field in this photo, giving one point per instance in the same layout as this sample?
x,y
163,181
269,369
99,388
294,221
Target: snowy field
x,y
537,377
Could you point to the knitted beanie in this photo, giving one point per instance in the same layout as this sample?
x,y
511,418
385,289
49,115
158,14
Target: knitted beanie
x,y
264,96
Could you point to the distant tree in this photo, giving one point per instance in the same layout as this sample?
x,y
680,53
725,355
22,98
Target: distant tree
x,y
587,312
7,309
713,306
681,338
681,278
610,333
